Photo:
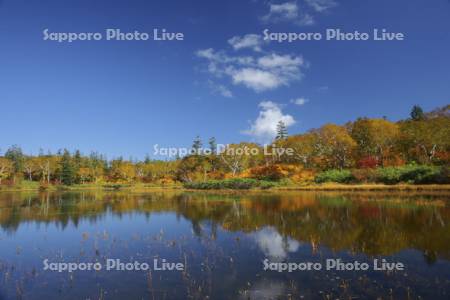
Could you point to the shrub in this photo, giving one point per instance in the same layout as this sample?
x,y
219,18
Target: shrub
x,y
364,175
417,174
165,181
234,183
266,184
444,175
420,174
115,186
339,176
442,157
270,172
304,177
389,175
216,175
368,162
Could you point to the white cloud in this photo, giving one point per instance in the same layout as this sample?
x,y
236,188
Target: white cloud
x,y
224,91
220,89
299,101
207,53
252,41
273,245
321,5
285,62
306,19
264,128
267,72
222,57
256,79
287,12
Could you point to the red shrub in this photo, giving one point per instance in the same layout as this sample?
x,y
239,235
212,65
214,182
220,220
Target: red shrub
x,y
368,162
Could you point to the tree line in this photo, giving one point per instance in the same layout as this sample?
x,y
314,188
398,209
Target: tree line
x,y
363,144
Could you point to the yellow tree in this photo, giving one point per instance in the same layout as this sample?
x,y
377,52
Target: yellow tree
x,y
334,146
48,166
85,175
157,169
6,168
122,170
423,139
30,166
385,136
303,147
374,138
237,157
97,172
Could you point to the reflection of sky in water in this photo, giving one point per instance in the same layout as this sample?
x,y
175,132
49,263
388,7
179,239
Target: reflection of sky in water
x,y
224,244
273,245
265,289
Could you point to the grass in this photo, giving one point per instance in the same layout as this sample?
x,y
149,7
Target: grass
x,y
369,187
24,185
230,184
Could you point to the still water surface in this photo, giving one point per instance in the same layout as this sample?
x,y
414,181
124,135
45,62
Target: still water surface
x,y
222,241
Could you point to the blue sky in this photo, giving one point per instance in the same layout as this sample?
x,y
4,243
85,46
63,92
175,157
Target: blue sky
x,y
222,80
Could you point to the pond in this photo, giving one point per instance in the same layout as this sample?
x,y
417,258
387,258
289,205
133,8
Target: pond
x,y
252,245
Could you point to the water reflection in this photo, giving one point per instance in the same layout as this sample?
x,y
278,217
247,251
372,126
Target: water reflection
x,y
366,223
223,238
273,245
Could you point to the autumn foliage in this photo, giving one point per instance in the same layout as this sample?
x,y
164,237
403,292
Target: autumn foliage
x,y
415,150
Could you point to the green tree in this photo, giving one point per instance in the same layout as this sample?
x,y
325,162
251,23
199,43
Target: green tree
x,y
213,159
15,154
197,145
67,169
77,159
417,113
77,165
213,145
281,131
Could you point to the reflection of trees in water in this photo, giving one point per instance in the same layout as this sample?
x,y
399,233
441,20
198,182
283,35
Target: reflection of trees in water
x,y
359,223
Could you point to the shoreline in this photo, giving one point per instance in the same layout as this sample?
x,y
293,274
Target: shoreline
x,y
369,187
318,188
